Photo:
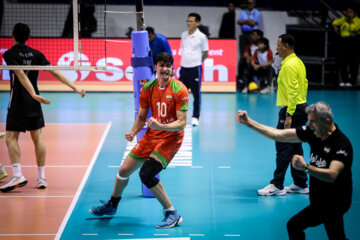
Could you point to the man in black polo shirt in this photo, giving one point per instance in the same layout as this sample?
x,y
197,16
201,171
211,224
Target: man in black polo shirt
x,y
24,110
329,169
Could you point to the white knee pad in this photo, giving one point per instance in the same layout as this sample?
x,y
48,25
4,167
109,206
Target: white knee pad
x,y
121,178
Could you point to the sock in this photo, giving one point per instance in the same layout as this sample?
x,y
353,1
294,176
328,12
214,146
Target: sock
x,y
115,201
41,172
16,169
1,169
170,209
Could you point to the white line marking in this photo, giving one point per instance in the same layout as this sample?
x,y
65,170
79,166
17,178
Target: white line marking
x,y
36,196
82,184
232,235
27,234
125,234
161,234
90,234
224,167
180,238
53,166
196,166
196,235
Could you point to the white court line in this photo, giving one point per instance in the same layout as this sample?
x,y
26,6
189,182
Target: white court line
x,y
196,235
1,235
161,234
36,196
90,234
196,166
125,234
232,235
53,166
224,167
82,184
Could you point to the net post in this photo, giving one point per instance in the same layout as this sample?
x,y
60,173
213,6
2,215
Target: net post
x,y
76,33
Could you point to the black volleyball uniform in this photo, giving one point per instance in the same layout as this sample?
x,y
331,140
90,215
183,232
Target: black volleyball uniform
x,y
328,201
24,113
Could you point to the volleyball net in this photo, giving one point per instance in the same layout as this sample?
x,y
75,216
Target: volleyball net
x,y
68,34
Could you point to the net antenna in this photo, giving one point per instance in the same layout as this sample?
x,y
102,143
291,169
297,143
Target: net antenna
x,y
47,34
140,20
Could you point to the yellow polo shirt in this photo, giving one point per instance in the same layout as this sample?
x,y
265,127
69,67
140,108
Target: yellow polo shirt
x,y
347,29
292,83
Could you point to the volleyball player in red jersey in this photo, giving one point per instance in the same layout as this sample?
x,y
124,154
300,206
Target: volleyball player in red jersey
x,y
168,100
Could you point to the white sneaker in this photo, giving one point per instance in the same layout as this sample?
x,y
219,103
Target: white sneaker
x,y
195,122
271,190
348,84
342,84
41,183
245,90
14,183
265,90
295,189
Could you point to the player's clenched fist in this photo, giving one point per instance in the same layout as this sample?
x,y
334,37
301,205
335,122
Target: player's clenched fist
x,y
129,136
242,117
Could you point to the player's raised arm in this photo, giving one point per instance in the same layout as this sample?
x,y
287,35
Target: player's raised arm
x,y
24,80
62,78
280,135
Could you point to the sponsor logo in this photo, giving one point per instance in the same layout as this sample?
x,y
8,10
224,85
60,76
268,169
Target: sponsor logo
x,y
318,161
343,152
168,96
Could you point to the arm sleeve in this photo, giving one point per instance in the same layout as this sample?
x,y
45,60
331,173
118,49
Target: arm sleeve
x,y
205,44
257,17
247,49
42,59
144,98
270,56
342,153
182,99
167,47
304,133
292,87
254,57
10,60
339,21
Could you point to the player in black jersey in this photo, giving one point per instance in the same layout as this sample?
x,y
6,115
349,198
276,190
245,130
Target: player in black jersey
x,y
329,169
24,110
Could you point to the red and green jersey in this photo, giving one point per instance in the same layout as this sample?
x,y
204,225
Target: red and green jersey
x,y
164,103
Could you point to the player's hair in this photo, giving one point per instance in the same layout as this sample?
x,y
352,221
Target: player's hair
x,y
164,57
259,32
150,30
21,32
196,16
288,39
265,41
322,111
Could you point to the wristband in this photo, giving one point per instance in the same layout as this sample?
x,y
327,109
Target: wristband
x,y
306,169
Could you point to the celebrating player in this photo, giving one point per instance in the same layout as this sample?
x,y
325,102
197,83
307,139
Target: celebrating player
x,y
168,100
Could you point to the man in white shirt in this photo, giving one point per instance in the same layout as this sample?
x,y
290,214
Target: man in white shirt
x,y
194,45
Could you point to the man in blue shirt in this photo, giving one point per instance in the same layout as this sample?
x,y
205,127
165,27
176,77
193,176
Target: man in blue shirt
x,y
248,20
158,43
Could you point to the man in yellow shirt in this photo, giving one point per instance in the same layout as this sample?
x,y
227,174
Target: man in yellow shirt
x,y
291,98
349,46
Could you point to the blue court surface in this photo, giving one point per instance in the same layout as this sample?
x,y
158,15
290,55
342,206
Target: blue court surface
x,y
212,182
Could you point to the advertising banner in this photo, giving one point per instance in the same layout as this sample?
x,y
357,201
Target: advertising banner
x,y
219,69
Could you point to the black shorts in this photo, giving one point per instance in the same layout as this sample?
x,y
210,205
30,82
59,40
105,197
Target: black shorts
x,y
23,124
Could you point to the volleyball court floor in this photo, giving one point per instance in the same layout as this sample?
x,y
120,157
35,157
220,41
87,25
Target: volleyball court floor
x,y
212,181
